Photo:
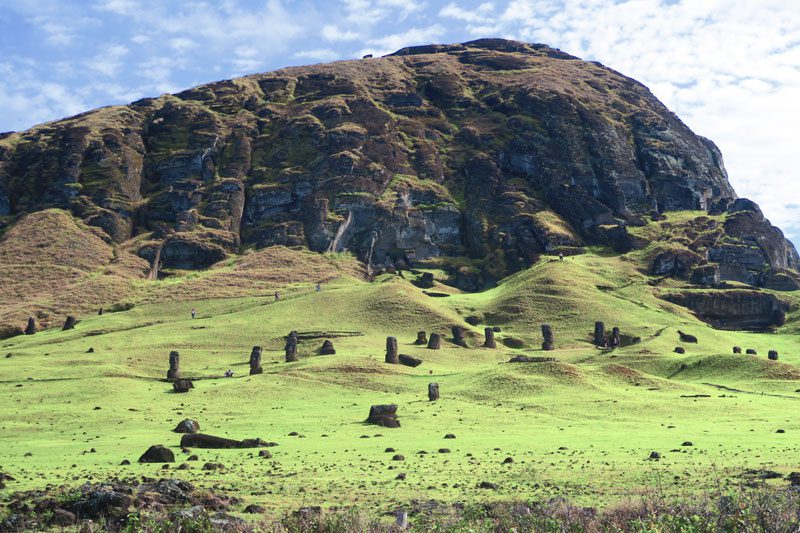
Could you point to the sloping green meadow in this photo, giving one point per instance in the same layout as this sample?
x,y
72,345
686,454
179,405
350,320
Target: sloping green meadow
x,y
581,428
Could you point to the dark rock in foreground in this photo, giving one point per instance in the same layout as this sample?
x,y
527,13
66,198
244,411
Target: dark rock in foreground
x,y
384,415
157,454
187,426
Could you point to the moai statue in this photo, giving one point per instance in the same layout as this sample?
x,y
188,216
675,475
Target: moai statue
x,y
291,348
422,338
435,342
433,392
30,329
327,348
391,351
174,371
255,361
489,342
549,339
458,336
69,323
772,355
615,340
599,334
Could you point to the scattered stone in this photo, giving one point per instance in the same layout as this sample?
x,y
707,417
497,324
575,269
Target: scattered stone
x,y
401,476
780,431
599,334
30,329
794,478
182,385
200,440
125,462
157,454
183,466
489,341
291,348
391,351
422,339
685,337
254,509
772,355
389,450
508,460
514,343
398,457
549,339
472,320
737,349
327,348
384,415
687,443
680,350
425,281
458,336
69,323
433,392
751,351
213,466
193,458
444,450
497,329
187,425
265,454
255,361
90,350
174,365
435,341
407,360
450,436
655,456
487,485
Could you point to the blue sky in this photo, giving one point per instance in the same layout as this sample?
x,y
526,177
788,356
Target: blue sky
x,y
729,68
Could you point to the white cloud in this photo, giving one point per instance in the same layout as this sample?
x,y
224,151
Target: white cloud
x,y
333,34
119,7
182,44
109,61
319,54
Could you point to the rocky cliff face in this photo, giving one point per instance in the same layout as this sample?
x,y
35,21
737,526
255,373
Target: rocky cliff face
x,y
493,149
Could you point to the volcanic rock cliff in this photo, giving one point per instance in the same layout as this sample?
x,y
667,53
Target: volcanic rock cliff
x,y
493,149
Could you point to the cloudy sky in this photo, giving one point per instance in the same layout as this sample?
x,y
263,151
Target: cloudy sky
x,y
729,68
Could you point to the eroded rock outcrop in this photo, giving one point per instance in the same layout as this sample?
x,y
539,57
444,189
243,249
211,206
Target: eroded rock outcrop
x,y
734,309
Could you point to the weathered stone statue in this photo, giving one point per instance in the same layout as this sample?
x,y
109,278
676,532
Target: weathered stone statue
x,y
737,349
435,342
327,348
433,392
615,338
422,338
772,355
255,361
291,348
489,341
174,371
30,329
384,415
69,323
599,334
458,336
549,339
391,351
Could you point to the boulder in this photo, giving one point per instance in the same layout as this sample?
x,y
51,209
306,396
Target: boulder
x,y
529,359
424,281
737,349
435,341
489,341
255,361
734,309
187,425
407,360
69,323
327,348
384,415
549,342
391,351
182,385
174,365
200,440
459,333
678,263
422,339
433,392
751,351
157,454
685,337
772,355
680,350
30,329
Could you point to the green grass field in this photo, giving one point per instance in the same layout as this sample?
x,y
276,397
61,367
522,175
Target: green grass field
x,y
581,428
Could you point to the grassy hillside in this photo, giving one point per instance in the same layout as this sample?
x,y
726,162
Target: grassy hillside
x,y
582,427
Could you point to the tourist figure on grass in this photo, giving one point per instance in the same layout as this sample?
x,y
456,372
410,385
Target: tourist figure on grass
x,y
319,288
277,296
560,256
194,313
